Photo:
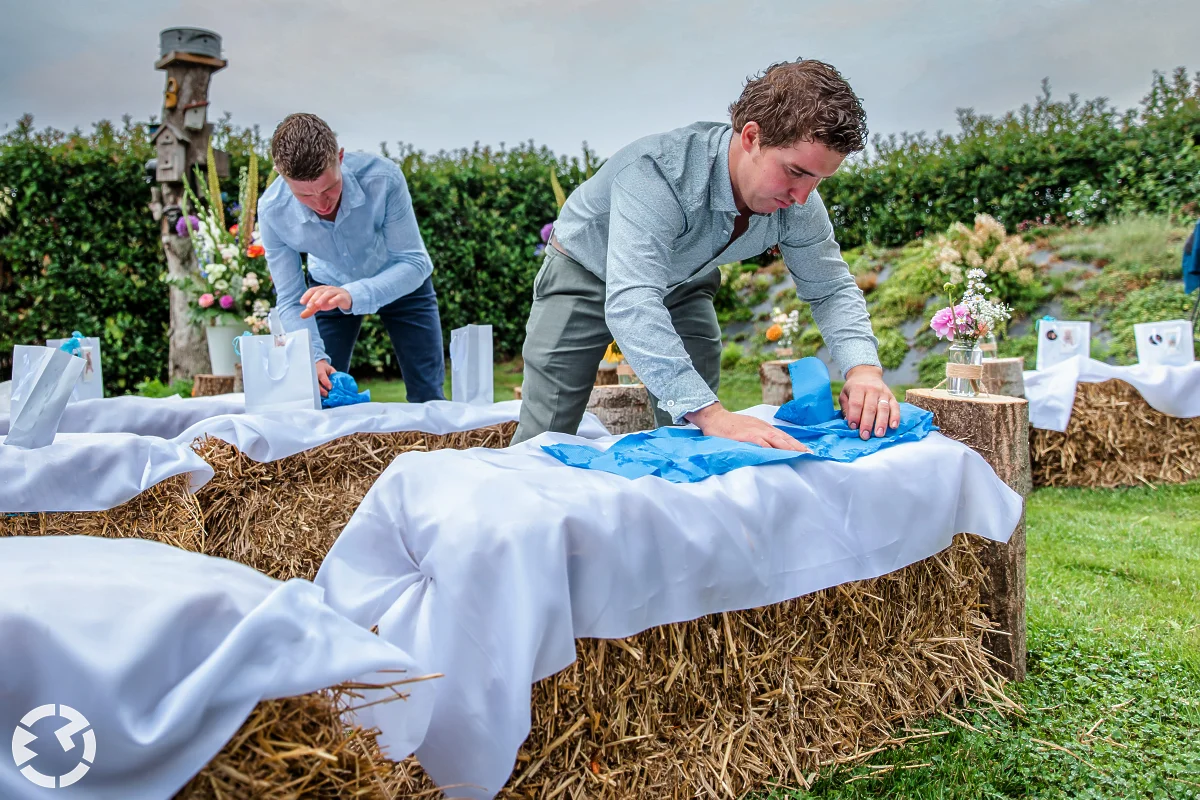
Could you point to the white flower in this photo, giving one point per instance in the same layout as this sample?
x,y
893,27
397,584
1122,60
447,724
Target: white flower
x,y
250,282
222,286
262,307
229,253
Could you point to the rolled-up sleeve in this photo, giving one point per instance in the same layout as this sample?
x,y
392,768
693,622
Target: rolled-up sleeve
x,y
644,222
283,262
824,281
408,261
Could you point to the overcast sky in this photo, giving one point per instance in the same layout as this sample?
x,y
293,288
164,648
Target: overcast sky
x,y
446,74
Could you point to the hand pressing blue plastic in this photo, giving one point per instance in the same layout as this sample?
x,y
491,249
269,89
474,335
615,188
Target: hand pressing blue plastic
x,y
343,391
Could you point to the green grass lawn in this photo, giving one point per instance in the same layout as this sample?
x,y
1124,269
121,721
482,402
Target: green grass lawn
x,y
1111,707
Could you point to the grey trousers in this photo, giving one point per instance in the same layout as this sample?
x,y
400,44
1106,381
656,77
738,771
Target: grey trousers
x,y
566,338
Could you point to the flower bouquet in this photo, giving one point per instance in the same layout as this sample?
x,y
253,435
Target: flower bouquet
x,y
232,289
783,330
964,325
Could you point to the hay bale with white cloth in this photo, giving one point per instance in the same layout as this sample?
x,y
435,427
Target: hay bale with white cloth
x,y
160,673
492,565
165,417
1095,424
104,484
286,483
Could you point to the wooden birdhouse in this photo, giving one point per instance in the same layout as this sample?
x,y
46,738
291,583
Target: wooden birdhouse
x,y
171,146
195,115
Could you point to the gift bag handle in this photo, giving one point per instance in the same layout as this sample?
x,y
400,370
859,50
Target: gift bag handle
x,y
283,351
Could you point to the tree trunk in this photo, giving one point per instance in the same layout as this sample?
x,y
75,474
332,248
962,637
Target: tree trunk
x,y
622,408
188,351
996,427
1004,376
207,385
776,382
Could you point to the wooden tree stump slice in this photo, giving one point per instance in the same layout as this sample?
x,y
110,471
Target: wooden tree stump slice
x,y
996,427
206,385
776,382
622,408
1004,376
607,376
517,392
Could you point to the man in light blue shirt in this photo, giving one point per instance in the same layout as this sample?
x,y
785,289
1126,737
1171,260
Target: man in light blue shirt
x,y
353,216
635,252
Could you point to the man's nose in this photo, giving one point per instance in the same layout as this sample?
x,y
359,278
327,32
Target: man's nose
x,y
802,190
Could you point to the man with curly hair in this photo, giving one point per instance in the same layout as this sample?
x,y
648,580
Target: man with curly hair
x,y
352,214
634,258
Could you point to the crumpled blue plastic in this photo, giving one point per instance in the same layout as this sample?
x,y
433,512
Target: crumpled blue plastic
x,y
684,455
74,345
343,391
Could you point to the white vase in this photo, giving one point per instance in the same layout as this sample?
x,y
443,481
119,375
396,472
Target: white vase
x,y
220,338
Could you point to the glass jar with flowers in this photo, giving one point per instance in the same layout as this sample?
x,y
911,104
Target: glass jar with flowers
x,y
625,374
965,324
232,290
783,330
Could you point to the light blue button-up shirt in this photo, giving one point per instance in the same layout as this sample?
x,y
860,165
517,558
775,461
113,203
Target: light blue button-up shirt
x,y
660,212
373,248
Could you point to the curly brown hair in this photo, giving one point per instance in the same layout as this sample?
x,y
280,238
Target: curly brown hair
x,y
303,147
802,101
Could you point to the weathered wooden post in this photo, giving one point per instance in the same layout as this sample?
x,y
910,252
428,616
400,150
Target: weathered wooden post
x,y
189,56
996,427
1004,376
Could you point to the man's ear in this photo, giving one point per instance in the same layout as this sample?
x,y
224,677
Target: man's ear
x,y
749,135
341,154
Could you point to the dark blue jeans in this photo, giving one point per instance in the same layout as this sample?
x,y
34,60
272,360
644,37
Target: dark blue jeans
x,y
415,328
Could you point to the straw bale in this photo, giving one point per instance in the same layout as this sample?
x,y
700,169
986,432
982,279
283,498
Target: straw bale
x,y
743,701
1116,439
301,747
166,512
283,516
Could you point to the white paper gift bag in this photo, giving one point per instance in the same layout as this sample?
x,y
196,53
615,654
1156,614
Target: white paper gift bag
x,y
43,379
90,385
471,365
1059,340
1168,343
278,372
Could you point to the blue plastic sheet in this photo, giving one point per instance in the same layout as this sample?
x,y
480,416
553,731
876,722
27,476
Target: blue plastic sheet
x,y
343,391
684,455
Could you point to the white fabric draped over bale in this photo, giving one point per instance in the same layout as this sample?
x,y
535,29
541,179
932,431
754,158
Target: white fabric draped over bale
x,y
149,416
1174,391
92,471
488,564
270,437
166,653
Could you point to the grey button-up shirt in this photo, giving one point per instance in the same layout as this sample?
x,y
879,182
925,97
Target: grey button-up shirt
x,y
660,212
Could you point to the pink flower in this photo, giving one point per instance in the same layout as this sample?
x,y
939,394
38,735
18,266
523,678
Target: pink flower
x,y
205,300
950,321
226,301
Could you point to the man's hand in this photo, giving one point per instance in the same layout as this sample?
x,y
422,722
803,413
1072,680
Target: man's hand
x,y
324,298
714,420
867,402
324,370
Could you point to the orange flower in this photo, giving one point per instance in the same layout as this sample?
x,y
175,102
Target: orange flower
x,y
774,333
256,250
233,229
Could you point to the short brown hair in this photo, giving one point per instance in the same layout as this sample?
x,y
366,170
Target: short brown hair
x,y
303,147
803,101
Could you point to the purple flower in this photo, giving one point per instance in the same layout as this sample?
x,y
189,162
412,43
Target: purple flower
x,y
226,301
181,227
539,249
546,230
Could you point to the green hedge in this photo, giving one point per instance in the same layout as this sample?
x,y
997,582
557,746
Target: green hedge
x,y
1050,162
78,249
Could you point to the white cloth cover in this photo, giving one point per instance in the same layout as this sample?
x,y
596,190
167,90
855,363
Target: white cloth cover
x,y
165,653
486,565
1174,391
269,437
91,471
149,416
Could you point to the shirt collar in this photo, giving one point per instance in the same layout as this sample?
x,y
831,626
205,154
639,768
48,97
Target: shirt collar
x,y
720,188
